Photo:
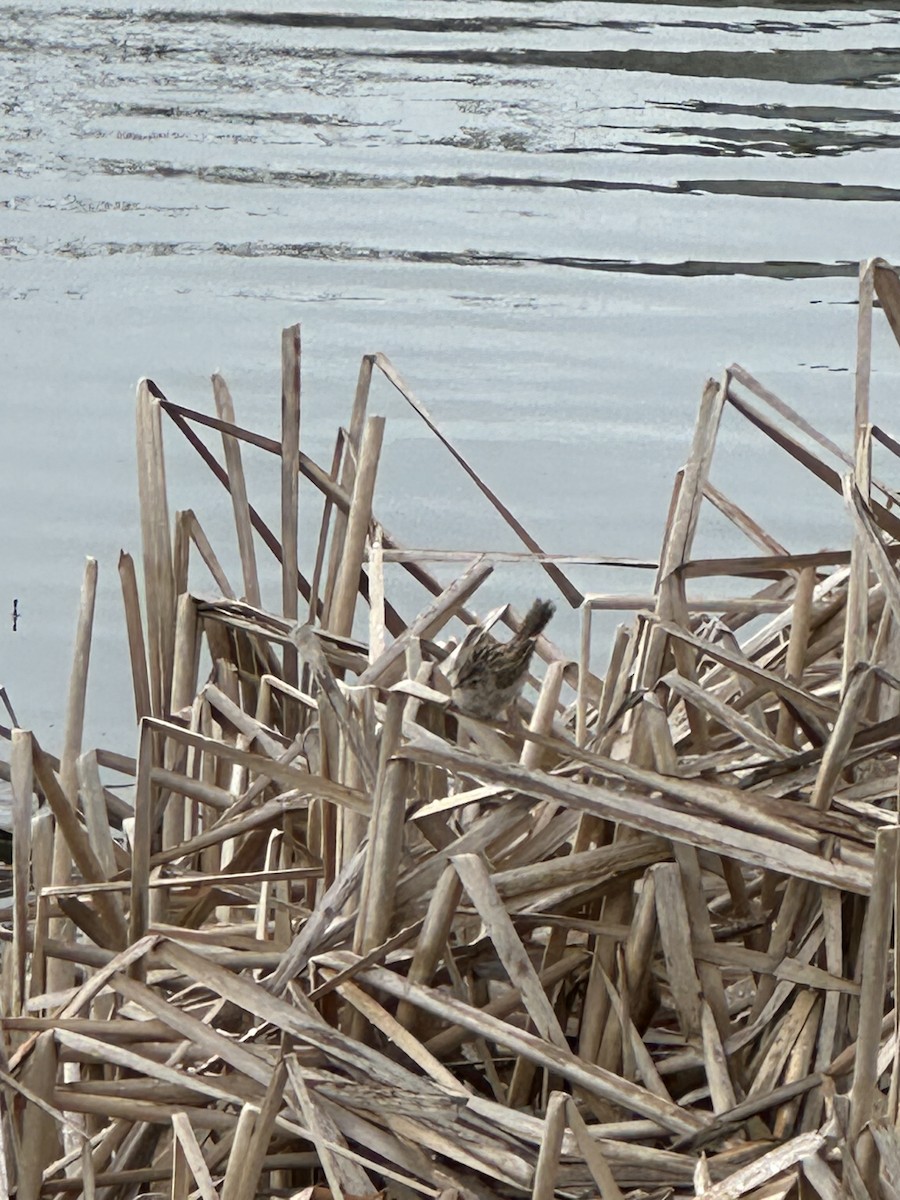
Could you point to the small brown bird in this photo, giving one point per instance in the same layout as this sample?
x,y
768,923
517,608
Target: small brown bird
x,y
488,674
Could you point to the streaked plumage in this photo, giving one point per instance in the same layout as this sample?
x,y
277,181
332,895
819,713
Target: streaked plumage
x,y
489,674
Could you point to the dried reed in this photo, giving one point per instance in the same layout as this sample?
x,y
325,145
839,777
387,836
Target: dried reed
x,y
641,942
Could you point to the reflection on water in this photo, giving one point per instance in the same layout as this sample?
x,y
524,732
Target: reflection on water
x,y
854,68
346,252
557,216
553,98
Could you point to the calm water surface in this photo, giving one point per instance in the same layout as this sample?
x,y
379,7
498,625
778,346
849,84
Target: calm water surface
x,y
556,218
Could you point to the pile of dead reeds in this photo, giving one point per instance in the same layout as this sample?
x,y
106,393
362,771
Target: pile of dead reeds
x,y
346,936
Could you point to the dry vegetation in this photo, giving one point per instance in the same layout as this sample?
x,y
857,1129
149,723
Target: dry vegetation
x,y
347,938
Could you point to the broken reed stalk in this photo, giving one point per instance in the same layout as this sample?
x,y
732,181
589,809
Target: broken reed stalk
x,y
159,580
78,678
60,973
135,630
358,520
235,468
290,480
637,938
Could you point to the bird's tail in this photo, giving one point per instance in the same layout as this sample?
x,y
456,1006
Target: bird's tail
x,y
536,618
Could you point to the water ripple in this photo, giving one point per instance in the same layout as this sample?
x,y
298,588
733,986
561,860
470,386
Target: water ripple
x,y
874,68
346,252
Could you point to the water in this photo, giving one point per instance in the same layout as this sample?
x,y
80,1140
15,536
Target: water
x,y
556,218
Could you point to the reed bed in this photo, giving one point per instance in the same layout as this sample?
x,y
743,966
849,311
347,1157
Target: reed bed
x,y
340,939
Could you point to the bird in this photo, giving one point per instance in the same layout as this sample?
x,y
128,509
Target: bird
x,y
488,675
